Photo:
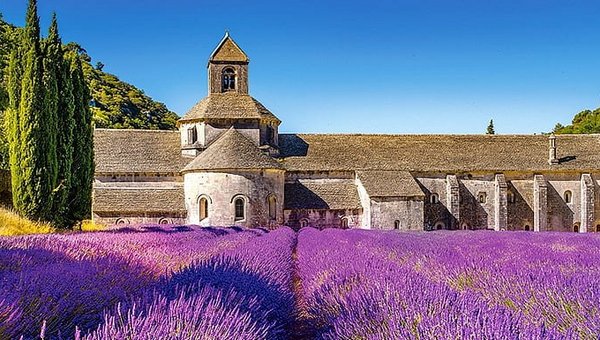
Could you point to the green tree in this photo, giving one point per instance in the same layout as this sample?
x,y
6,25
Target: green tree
x,y
82,170
64,124
490,128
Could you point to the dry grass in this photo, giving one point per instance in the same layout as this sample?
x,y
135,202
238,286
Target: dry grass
x,y
89,225
12,224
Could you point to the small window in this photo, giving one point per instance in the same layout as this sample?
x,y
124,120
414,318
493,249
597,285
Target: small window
x,y
527,227
344,223
272,207
122,221
598,228
303,223
568,196
440,225
434,198
203,205
510,197
271,135
228,79
240,209
576,228
163,221
192,135
465,226
482,197
397,225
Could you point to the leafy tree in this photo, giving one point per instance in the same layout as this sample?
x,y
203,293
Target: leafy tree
x,y
586,121
490,128
99,66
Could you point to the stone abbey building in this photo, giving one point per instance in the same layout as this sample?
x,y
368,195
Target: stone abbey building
x,y
229,165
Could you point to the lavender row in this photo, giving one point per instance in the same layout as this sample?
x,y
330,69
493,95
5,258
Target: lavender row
x,y
67,281
359,284
244,293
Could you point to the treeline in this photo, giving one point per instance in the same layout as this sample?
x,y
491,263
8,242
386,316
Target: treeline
x,y
587,121
48,126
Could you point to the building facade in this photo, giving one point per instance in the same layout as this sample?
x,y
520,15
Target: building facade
x,y
229,165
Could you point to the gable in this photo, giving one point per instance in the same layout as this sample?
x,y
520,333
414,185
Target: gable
x,y
228,50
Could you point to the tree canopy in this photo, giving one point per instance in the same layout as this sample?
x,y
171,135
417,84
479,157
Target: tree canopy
x,y
586,121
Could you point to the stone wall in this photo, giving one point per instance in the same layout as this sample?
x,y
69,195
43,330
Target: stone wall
x,y
436,215
477,212
220,188
407,211
520,209
321,218
121,219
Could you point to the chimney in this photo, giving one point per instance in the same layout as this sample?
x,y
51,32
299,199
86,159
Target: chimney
x,y
552,151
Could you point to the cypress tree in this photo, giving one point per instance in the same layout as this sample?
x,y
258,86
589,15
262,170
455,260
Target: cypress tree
x,y
490,128
63,127
52,56
80,197
11,120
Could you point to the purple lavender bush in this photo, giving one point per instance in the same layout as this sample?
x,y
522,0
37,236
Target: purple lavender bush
x,y
67,281
243,293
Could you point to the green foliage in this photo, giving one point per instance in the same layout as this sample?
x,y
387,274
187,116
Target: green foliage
x,y
586,121
82,169
490,128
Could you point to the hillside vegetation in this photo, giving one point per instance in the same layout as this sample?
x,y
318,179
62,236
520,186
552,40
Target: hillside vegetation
x,y
586,121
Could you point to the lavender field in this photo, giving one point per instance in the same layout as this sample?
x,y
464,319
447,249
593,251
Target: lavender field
x,y
230,283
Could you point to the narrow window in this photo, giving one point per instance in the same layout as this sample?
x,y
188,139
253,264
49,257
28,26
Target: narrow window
x,y
240,209
344,223
576,228
439,225
228,79
303,223
568,196
510,197
272,207
598,228
527,227
397,225
482,197
192,135
203,208
434,198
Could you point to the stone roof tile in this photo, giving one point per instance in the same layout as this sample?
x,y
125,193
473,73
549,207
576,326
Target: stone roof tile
x,y
380,183
322,194
139,200
228,105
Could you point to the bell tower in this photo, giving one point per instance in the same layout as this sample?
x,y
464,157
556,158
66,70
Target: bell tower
x,y
228,68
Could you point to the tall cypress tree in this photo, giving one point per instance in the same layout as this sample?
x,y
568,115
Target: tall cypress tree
x,y
80,197
56,64
12,118
36,159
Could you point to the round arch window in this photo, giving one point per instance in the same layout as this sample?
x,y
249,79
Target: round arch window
x,y
228,79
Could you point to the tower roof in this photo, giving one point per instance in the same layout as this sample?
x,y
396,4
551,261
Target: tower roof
x,y
232,151
228,50
228,105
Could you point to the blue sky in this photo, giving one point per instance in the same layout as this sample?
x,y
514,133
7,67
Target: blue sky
x,y
357,66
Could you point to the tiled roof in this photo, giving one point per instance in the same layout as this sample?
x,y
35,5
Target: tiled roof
x,y
131,200
322,194
444,153
228,105
232,150
138,151
379,183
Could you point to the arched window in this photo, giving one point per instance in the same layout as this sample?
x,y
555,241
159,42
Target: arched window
x,y
598,228
440,225
192,135
568,196
576,228
228,79
163,221
303,223
122,221
510,197
203,206
344,223
434,198
272,207
397,225
527,227
482,197
240,208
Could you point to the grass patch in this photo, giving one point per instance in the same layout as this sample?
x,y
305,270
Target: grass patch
x,y
11,224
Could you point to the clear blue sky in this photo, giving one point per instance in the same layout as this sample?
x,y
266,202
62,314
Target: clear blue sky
x,y
357,66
